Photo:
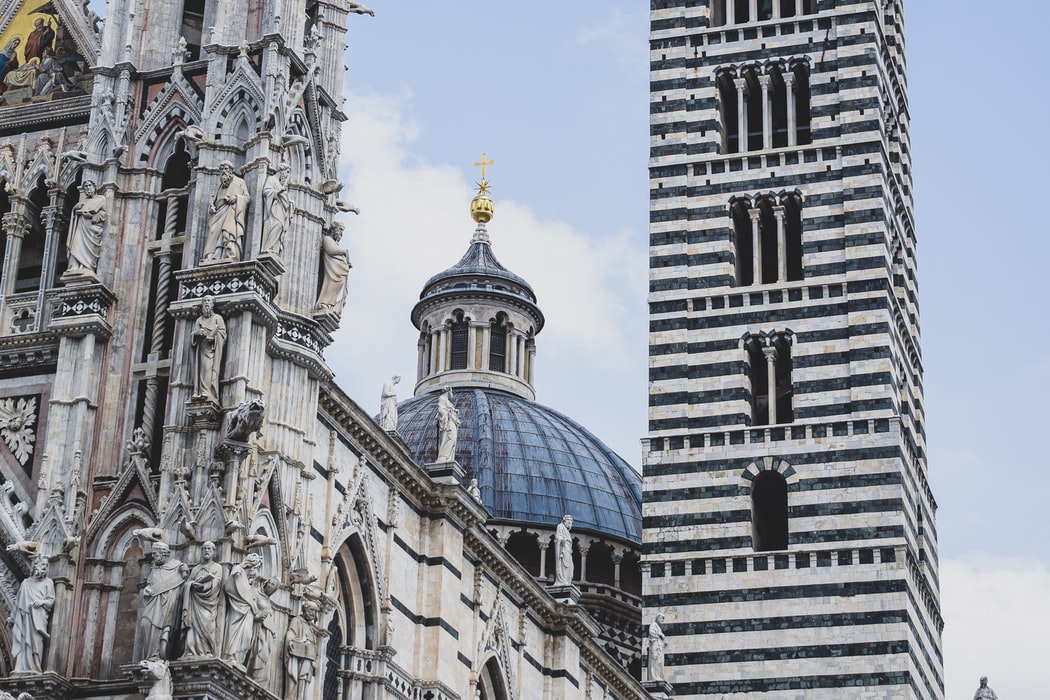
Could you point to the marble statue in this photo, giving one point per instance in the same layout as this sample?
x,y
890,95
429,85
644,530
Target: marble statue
x,y
30,618
448,427
657,639
474,490
984,692
563,567
160,598
158,672
264,632
388,405
278,205
226,217
85,234
208,341
301,653
336,268
202,595
241,606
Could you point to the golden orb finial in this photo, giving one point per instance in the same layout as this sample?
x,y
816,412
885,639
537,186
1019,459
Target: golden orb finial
x,y
481,207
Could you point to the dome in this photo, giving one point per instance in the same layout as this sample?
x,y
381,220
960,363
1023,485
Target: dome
x,y
479,270
533,464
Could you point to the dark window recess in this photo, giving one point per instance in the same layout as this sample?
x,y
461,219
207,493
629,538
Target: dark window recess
x,y
678,568
498,349
769,512
193,26
658,570
459,345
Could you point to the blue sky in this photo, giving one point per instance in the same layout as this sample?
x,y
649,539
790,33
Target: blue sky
x,y
557,94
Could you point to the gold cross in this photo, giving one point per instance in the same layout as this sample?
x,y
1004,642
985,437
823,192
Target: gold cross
x,y
483,164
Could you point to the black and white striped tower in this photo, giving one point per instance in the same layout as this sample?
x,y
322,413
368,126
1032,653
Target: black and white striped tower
x,y
789,528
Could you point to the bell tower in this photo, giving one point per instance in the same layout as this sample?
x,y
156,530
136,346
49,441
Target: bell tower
x,y
790,530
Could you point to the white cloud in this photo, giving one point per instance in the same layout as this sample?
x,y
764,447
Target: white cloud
x,y
415,222
996,613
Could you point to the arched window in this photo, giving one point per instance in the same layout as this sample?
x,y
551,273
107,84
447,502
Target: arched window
x,y
772,390
498,344
769,105
767,238
333,685
769,512
458,348
31,261
491,685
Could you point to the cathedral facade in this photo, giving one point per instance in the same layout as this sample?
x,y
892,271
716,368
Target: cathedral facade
x,y
190,507
790,530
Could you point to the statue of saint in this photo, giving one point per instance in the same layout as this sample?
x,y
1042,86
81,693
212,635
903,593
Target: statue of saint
x,y
160,598
29,620
85,234
656,649
301,653
336,267
563,567
260,660
241,606
208,340
984,692
200,605
227,213
388,405
448,427
278,205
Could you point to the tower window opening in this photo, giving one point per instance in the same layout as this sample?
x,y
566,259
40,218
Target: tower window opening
x,y
460,331
741,10
769,512
764,108
498,348
772,390
767,239
765,9
193,26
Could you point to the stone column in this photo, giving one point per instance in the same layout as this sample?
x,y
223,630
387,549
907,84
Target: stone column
x,y
472,346
730,12
776,9
771,379
752,11
434,337
756,248
442,350
16,226
512,352
789,91
782,275
421,347
617,558
532,364
741,113
543,544
486,345
767,112
584,548
521,357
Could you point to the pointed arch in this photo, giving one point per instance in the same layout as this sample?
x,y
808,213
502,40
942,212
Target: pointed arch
x,y
492,681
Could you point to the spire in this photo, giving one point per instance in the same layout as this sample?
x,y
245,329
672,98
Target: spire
x,y
481,207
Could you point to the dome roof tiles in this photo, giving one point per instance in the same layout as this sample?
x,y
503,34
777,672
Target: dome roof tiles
x,y
533,464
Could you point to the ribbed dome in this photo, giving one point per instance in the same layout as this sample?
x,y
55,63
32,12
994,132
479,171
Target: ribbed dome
x,y
478,262
533,464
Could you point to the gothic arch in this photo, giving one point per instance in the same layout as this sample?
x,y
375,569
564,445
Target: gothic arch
x,y
264,525
301,155
357,595
492,681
